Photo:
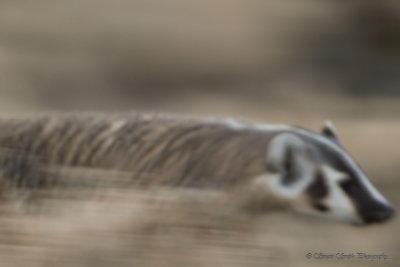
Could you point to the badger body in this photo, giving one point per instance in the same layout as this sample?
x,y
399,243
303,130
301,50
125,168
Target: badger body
x,y
155,149
310,171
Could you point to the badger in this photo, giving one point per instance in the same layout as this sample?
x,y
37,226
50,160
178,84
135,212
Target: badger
x,y
310,171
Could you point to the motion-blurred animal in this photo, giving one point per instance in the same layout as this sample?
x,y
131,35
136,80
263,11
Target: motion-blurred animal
x,y
309,171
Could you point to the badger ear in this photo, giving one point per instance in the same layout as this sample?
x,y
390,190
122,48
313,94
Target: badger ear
x,y
287,156
329,131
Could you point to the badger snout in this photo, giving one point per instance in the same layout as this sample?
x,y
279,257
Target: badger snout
x,y
378,214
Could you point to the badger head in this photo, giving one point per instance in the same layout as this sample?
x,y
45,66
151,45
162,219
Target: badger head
x,y
316,175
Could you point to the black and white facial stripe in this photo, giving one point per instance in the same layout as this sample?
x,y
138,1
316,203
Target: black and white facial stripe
x,y
317,191
319,176
369,204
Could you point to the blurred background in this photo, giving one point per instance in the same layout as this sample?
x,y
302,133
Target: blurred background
x,y
295,61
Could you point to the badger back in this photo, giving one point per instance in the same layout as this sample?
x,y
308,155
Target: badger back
x,y
152,149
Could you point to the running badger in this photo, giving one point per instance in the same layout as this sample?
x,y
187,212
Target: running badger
x,y
310,171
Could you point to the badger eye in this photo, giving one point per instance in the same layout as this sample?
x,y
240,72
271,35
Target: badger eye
x,y
320,207
349,186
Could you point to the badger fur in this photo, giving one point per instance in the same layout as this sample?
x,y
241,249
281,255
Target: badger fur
x,y
309,170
